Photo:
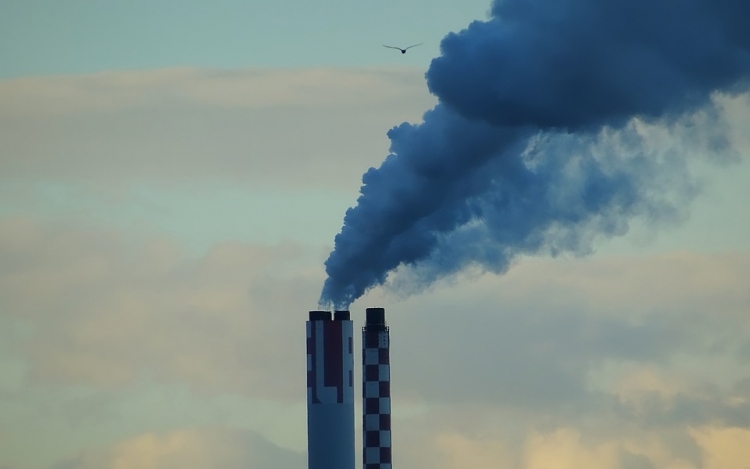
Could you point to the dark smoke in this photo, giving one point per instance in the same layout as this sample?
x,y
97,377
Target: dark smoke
x,y
539,142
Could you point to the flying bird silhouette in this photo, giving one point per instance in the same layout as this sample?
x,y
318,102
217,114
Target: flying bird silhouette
x,y
403,51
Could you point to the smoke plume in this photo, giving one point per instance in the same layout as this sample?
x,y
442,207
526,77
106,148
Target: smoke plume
x,y
542,137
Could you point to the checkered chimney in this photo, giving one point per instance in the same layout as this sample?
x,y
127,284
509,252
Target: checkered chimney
x,y
330,391
376,391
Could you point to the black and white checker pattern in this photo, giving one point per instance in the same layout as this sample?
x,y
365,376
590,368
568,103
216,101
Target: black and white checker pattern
x,y
376,399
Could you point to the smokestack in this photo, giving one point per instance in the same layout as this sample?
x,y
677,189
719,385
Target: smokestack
x,y
330,391
376,392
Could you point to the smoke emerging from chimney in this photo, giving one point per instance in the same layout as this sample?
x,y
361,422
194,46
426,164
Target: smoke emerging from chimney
x,y
541,140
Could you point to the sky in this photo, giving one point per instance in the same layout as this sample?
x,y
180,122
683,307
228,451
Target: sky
x,y
172,177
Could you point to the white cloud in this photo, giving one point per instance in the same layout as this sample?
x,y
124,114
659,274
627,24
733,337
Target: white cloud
x,y
195,448
106,312
320,88
294,128
570,447
547,331
724,448
556,350
563,449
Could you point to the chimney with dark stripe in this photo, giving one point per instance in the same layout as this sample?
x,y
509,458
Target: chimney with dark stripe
x,y
330,391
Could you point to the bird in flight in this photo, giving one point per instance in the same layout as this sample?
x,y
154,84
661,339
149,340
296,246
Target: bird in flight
x,y
403,51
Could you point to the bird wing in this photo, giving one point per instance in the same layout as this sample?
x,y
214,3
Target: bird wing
x,y
415,45
391,47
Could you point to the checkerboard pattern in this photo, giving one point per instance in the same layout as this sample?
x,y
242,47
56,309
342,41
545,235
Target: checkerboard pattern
x,y
376,399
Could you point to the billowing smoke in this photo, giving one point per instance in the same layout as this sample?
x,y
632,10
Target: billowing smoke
x,y
540,140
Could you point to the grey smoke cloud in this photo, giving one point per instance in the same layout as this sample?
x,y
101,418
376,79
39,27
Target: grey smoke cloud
x,y
535,143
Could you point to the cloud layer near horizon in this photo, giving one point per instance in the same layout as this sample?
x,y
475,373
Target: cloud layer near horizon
x,y
121,348
194,448
553,353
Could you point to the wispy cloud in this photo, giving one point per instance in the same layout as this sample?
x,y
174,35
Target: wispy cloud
x,y
289,127
199,448
106,313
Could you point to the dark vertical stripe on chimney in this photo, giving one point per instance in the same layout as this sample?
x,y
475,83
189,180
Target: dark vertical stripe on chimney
x,y
313,373
334,358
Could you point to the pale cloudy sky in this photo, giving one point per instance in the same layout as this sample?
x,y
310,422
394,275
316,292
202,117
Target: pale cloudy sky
x,y
172,175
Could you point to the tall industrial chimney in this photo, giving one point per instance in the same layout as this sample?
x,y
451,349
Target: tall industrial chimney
x,y
330,391
376,392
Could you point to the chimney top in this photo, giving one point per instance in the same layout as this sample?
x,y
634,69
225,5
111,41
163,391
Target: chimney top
x,y
320,315
341,316
375,317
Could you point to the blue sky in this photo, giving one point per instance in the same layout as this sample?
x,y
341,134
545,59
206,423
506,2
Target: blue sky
x,y
172,176
49,37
